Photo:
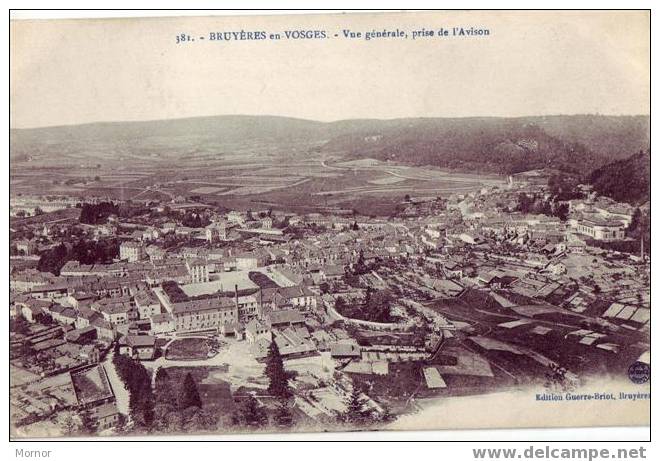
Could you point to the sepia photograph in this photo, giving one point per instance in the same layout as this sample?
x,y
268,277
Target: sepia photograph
x,y
331,222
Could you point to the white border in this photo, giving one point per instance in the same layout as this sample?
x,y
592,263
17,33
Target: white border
x,y
114,451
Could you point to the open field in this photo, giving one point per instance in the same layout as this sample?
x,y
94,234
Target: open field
x,y
187,349
257,176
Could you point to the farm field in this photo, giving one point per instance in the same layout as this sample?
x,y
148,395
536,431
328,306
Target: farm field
x,y
246,178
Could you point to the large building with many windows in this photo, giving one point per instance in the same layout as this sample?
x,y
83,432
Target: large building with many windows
x,y
204,314
601,229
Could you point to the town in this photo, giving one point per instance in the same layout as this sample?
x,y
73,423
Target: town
x,y
172,316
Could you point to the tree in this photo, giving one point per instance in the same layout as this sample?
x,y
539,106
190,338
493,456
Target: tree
x,y
196,419
562,211
556,380
283,416
19,326
189,394
386,416
52,260
164,389
137,381
360,267
71,424
634,222
367,296
97,213
356,413
340,304
249,414
87,423
278,378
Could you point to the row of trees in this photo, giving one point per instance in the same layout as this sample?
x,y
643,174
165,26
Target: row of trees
x,y
179,408
137,381
83,251
196,220
97,213
539,205
169,407
564,188
376,307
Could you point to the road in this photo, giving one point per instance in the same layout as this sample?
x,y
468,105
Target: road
x,y
122,396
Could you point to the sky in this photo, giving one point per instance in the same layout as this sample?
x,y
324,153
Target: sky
x,y
66,72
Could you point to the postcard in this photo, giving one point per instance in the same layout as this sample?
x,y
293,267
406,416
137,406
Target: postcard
x,y
379,221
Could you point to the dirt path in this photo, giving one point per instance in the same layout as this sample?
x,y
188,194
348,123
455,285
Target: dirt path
x,y
122,395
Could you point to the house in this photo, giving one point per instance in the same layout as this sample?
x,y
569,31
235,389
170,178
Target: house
x,y
234,329
331,272
285,318
215,232
257,330
80,299
104,230
81,335
132,251
68,316
85,317
90,353
162,323
141,347
114,310
452,270
251,260
294,343
198,269
557,268
345,351
237,217
26,247
65,315
31,313
32,309
105,416
294,296
104,329
249,306
51,291
576,247
147,304
155,253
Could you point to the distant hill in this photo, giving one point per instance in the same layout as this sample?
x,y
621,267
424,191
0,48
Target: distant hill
x,y
176,137
612,137
627,180
576,144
